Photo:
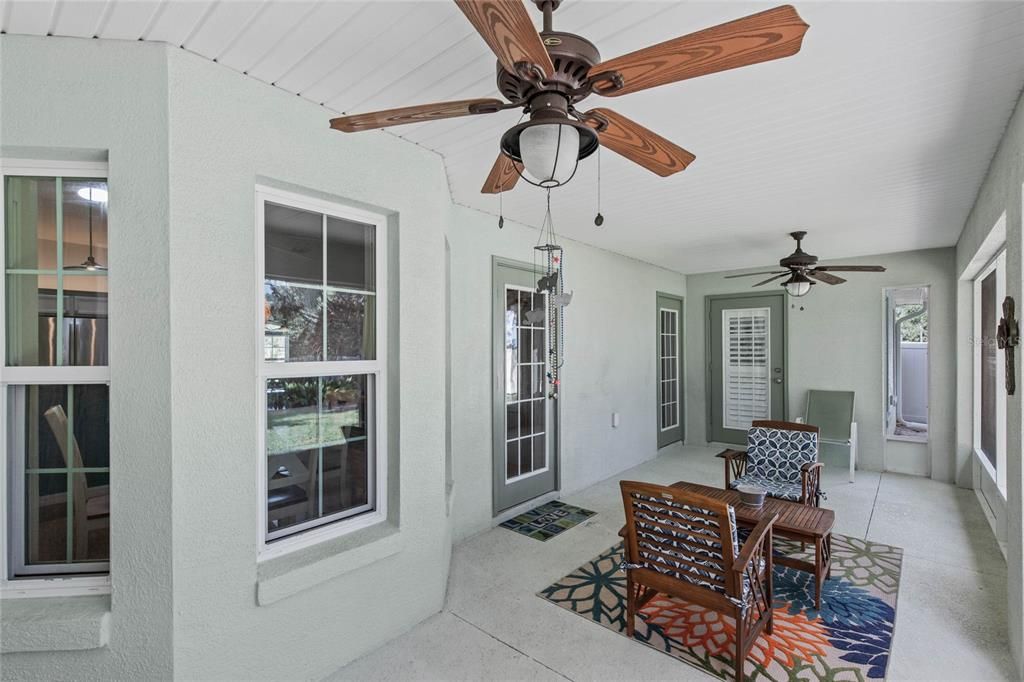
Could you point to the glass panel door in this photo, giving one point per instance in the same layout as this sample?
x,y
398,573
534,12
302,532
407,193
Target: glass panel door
x,y
524,409
526,446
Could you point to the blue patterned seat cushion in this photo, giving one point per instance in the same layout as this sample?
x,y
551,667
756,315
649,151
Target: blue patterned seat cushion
x,y
784,490
778,454
692,544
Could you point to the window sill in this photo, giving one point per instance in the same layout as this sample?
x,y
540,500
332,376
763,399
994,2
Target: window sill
x,y
282,576
55,624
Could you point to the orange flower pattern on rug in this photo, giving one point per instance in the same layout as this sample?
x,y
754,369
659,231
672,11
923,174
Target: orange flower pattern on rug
x,y
794,640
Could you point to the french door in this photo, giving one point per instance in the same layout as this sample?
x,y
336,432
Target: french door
x,y
525,446
746,351
669,370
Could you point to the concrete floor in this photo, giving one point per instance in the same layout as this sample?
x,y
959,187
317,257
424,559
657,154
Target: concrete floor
x,y
950,622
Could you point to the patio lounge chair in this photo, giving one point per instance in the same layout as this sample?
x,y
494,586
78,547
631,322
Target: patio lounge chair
x,y
782,458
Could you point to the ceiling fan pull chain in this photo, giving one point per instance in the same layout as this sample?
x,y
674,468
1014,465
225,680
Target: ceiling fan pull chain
x,y
599,219
501,212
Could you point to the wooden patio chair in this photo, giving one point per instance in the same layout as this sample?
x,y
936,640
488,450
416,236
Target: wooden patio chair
x,y
782,458
684,545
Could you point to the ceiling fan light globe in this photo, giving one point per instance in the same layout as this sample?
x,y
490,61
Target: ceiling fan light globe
x,y
797,289
550,153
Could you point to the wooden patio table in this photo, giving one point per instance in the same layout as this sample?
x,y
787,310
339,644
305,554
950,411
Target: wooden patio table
x,y
800,522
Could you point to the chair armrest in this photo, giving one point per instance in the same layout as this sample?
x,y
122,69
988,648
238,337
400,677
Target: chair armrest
x,y
761,532
735,464
810,483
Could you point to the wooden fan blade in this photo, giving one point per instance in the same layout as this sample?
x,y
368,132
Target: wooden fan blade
x,y
761,37
850,268
640,145
754,274
417,114
824,277
507,29
772,279
503,175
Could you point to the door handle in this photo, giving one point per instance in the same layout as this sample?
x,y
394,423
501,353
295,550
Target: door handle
x,y
777,380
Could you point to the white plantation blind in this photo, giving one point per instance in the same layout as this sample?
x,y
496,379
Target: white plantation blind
x,y
746,379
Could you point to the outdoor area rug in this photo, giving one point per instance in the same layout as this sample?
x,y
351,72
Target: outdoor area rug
x,y
848,639
548,520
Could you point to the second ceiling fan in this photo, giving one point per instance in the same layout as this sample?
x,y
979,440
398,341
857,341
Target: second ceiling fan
x,y
548,74
803,268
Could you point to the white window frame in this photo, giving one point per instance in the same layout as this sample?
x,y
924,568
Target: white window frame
x,y
321,530
997,473
53,585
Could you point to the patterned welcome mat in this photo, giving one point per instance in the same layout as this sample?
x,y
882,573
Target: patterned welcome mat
x,y
548,520
848,639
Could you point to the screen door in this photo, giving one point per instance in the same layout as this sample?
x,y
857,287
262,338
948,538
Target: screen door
x,y
747,378
525,461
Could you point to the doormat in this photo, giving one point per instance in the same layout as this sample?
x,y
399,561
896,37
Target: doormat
x,y
849,638
548,520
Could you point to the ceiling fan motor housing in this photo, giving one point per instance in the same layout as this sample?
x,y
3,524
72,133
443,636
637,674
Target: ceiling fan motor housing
x,y
572,56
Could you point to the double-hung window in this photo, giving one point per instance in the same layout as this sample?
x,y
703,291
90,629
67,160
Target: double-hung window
x,y
990,371
54,381
322,378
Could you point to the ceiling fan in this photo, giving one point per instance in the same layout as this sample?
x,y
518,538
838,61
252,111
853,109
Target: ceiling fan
x,y
803,268
548,74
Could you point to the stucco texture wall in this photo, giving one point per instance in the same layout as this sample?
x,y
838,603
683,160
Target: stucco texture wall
x,y
187,142
227,133
609,358
1001,192
836,343
87,99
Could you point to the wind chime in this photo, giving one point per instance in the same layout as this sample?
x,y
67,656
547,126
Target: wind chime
x,y
551,281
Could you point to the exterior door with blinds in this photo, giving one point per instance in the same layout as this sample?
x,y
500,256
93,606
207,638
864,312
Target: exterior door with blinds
x,y
746,355
525,450
668,355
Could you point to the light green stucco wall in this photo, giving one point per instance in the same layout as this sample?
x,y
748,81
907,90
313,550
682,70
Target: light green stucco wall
x,y
74,98
187,141
836,343
1001,192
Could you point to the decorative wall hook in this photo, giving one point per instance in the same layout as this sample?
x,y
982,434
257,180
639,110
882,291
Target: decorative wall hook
x,y
1008,336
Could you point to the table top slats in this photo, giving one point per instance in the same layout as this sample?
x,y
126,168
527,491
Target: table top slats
x,y
800,519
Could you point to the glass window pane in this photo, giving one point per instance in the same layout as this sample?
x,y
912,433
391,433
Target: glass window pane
x,y
989,366
525,346
91,424
30,216
539,415
343,413
512,459
350,326
45,410
46,518
296,314
292,421
31,320
525,455
90,532
511,421
293,248
350,255
85,223
539,452
291,488
84,338
345,477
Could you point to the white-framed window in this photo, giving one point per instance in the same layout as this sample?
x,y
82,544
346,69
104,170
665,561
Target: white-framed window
x,y
54,379
990,371
322,328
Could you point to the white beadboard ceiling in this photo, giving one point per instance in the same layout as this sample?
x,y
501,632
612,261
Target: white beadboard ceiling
x,y
874,138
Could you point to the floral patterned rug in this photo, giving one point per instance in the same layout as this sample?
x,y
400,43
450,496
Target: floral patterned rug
x,y
848,639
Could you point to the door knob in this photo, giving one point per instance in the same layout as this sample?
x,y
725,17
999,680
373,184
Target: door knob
x,y
777,380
